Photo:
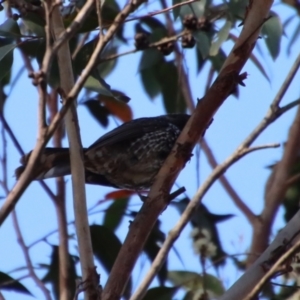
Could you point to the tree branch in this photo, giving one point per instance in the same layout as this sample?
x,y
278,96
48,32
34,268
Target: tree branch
x,y
237,200
158,197
276,187
78,175
186,215
29,265
186,92
25,177
288,254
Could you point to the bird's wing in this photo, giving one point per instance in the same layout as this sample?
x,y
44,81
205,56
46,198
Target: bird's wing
x,y
130,130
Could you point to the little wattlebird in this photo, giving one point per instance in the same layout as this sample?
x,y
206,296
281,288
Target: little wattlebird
x,y
128,157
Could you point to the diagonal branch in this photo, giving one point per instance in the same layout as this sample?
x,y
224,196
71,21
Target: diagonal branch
x,y
276,185
186,92
25,177
185,217
237,200
158,197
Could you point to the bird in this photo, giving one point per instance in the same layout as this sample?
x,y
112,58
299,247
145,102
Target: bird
x,y
128,157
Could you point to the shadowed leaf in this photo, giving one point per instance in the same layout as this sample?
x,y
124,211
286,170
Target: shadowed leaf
x,y
195,282
10,28
160,293
6,59
115,213
106,247
272,31
167,76
222,36
8,283
203,43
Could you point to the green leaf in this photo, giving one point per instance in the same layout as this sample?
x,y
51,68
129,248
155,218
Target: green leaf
x,y
8,283
203,43
10,28
6,59
158,29
259,66
106,247
188,280
192,281
176,10
200,61
150,58
106,67
98,85
272,30
222,36
150,83
109,11
218,60
115,213
34,24
33,48
83,56
196,8
160,293
167,76
237,9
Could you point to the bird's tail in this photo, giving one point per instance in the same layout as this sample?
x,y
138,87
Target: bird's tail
x,y
54,162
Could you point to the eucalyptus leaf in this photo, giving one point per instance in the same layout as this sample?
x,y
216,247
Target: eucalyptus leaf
x,y
222,36
10,284
6,59
10,28
203,43
272,31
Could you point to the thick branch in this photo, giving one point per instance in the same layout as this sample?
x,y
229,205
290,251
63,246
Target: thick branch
x,y
187,94
206,108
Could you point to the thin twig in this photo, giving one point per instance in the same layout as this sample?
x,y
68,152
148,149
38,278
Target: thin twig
x,y
20,238
80,45
273,196
25,177
276,187
237,200
240,152
163,41
161,11
99,16
21,151
25,251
